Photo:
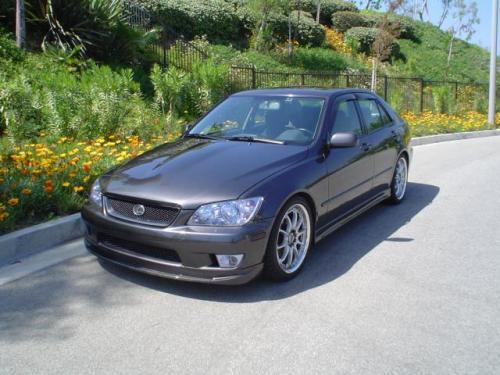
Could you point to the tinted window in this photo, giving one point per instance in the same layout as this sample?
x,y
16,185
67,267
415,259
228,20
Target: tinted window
x,y
289,119
384,115
371,114
346,119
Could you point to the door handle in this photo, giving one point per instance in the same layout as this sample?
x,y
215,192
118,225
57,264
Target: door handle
x,y
366,147
395,135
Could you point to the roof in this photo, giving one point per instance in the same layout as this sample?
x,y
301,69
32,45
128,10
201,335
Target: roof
x,y
319,92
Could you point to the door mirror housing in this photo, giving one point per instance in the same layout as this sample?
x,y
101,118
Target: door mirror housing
x,y
343,140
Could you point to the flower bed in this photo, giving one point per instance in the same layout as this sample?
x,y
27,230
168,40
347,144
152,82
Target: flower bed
x,y
429,123
48,178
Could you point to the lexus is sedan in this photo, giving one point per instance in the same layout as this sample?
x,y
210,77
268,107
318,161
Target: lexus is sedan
x,y
251,186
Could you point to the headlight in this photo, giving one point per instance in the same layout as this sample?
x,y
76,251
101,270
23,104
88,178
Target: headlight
x,y
96,193
228,213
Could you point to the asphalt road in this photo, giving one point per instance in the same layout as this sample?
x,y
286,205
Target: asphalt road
x,y
409,289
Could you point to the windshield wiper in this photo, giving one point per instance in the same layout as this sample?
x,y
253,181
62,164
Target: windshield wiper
x,y
201,136
247,138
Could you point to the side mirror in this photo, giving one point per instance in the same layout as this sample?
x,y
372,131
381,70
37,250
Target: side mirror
x,y
343,140
187,129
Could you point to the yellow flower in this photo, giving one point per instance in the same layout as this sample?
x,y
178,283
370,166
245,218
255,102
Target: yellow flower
x,y
78,189
26,191
66,184
13,202
4,216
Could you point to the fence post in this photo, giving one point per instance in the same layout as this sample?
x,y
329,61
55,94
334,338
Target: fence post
x,y
385,88
254,77
347,83
456,92
421,95
302,79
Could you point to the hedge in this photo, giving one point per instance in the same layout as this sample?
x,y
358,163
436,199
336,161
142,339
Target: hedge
x,y
309,32
328,7
343,21
406,26
362,38
219,20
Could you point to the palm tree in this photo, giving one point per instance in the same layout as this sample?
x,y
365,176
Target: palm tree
x,y
20,24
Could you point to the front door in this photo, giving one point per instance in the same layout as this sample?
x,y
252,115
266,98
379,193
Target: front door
x,y
350,170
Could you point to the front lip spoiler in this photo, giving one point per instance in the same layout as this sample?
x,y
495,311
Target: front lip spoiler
x,y
144,265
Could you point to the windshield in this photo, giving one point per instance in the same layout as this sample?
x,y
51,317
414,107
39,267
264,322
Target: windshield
x,y
291,120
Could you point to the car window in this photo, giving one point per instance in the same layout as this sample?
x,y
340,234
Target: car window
x,y
346,119
371,114
386,119
286,119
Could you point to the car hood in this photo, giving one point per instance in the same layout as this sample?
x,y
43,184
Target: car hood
x,y
191,172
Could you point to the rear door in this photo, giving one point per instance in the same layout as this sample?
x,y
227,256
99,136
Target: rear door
x,y
350,170
380,139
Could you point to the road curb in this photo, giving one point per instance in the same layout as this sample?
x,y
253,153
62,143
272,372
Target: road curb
x,y
429,139
37,238
28,241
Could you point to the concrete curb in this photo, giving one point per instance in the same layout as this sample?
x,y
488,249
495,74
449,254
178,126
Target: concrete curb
x,y
420,141
40,237
35,239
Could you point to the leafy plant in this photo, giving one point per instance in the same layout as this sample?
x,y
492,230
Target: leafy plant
x,y
343,21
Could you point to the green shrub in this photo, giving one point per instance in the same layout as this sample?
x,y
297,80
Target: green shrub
x,y
343,21
307,32
315,59
405,26
217,19
328,7
8,49
361,39
40,94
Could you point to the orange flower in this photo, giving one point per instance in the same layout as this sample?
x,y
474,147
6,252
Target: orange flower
x,y
48,186
26,191
86,167
13,202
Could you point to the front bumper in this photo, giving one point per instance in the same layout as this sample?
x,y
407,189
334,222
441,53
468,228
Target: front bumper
x,y
179,251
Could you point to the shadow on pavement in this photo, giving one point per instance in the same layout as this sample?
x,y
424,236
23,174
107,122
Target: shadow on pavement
x,y
330,259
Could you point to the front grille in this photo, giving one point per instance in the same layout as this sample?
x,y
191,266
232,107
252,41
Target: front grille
x,y
153,215
138,248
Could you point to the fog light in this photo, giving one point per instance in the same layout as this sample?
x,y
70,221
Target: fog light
x,y
229,261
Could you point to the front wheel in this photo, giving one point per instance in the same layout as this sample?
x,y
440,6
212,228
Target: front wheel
x,y
290,241
399,181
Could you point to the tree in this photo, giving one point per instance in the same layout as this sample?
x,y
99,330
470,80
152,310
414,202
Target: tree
x,y
446,4
464,17
388,31
20,24
263,9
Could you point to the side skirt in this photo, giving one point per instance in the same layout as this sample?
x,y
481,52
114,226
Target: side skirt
x,y
355,212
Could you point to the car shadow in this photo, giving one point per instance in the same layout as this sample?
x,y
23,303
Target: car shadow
x,y
330,259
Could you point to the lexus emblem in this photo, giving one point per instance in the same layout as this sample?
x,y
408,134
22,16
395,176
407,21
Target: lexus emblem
x,y
138,210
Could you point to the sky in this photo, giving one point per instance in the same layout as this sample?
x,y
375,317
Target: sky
x,y
483,30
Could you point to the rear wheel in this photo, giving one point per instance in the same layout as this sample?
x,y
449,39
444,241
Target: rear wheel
x,y
290,241
399,181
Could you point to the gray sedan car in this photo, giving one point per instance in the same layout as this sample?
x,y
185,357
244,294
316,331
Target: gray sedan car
x,y
251,186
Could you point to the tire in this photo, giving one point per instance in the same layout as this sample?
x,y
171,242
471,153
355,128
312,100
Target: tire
x,y
290,241
399,181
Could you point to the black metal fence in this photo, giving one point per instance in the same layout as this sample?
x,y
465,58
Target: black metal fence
x,y
171,48
404,93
